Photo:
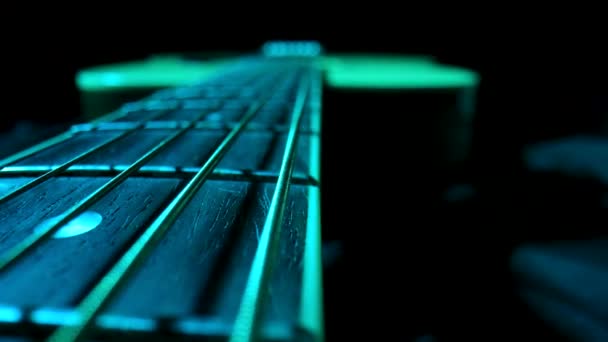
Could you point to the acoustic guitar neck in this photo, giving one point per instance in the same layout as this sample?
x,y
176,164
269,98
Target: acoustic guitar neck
x,y
193,213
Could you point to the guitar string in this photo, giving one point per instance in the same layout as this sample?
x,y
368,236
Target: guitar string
x,y
229,175
123,113
17,251
246,323
56,140
55,171
36,148
63,137
137,126
97,298
14,253
310,317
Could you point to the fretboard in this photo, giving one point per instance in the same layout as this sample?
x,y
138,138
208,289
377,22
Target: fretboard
x,y
192,213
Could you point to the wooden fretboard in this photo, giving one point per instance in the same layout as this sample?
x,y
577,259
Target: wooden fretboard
x,y
193,213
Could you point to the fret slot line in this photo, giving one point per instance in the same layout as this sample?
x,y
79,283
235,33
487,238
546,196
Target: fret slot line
x,y
123,113
200,125
159,172
43,146
108,118
245,326
46,319
99,296
14,253
57,170
61,168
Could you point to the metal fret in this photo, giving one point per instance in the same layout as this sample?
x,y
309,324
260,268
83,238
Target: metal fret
x,y
97,298
45,319
60,168
89,316
36,237
124,111
246,322
24,246
55,171
201,125
156,172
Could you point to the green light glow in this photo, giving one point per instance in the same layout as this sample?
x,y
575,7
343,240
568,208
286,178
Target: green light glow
x,y
311,308
160,71
342,70
246,320
394,72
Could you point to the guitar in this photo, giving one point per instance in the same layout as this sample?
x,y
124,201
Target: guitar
x,y
195,211
438,99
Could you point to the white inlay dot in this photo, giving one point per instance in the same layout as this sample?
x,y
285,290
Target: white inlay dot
x,y
83,223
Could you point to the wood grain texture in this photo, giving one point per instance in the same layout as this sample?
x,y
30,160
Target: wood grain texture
x,y
201,267
188,114
190,150
223,301
9,184
128,149
272,115
20,215
248,151
15,339
231,114
136,116
173,279
305,122
68,149
284,292
302,155
60,271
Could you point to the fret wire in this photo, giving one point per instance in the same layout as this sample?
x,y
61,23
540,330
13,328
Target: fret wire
x,y
97,298
9,257
42,319
158,172
201,125
61,168
245,326
123,113
137,124
76,159
36,148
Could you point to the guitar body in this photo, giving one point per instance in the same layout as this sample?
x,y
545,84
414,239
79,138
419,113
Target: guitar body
x,y
194,210
436,101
